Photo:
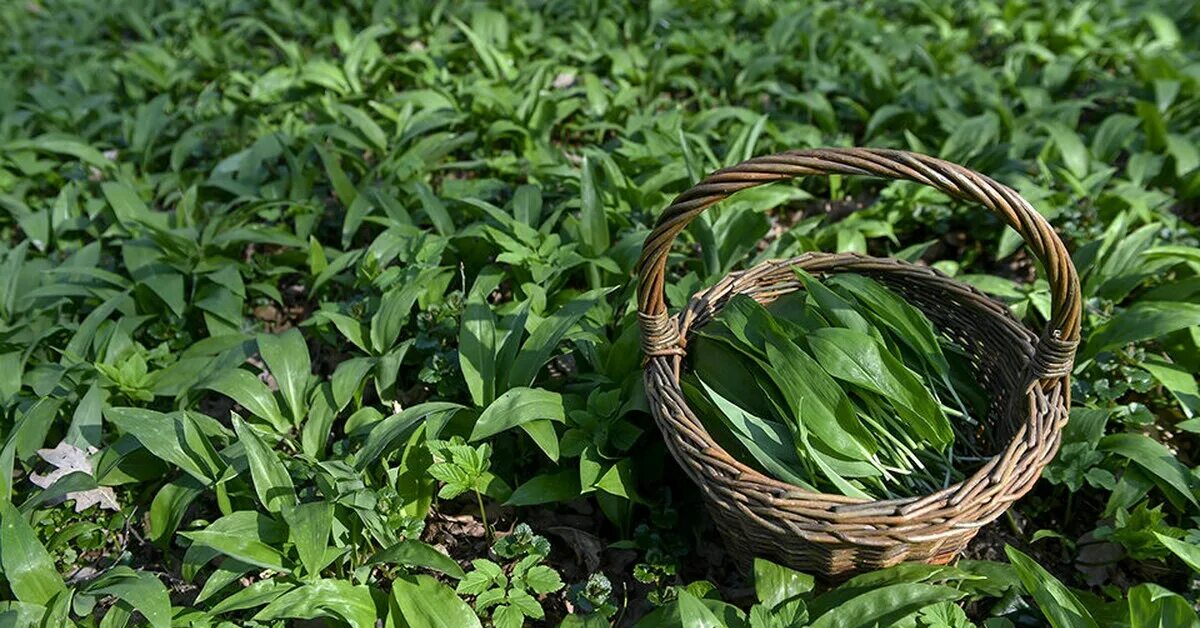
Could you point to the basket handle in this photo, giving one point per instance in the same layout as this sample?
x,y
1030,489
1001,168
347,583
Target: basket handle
x,y
1055,350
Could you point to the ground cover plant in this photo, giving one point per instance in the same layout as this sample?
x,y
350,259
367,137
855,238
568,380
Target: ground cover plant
x,y
316,311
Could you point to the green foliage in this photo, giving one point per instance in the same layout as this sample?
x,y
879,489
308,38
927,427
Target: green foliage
x,y
843,411
509,594
287,289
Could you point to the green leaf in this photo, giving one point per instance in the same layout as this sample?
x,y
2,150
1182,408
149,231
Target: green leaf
x,y
889,309
768,442
62,145
593,224
166,436
169,506
287,359
1143,320
394,308
1070,147
477,339
141,590
1151,606
775,584
694,614
423,601
337,599
309,525
28,567
1055,600
1163,467
243,535
347,378
342,185
86,423
255,595
545,338
1187,552
253,395
130,209
272,483
884,605
516,407
1180,381
542,433
546,488
226,573
833,306
414,553
857,358
397,427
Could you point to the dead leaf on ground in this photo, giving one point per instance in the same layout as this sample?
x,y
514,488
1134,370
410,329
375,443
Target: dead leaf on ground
x,y
67,458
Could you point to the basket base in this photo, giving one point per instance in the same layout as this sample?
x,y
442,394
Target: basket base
x,y
833,564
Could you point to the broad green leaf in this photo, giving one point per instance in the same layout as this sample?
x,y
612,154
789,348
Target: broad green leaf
x,y
477,339
1179,381
1151,606
226,573
414,553
169,506
516,407
287,359
394,309
1187,552
423,601
775,584
397,427
693,613
309,525
347,378
1156,460
28,567
338,599
253,395
540,345
1061,607
86,423
130,209
858,359
839,310
64,145
1144,320
166,436
884,605
1070,148
816,401
139,589
272,483
768,442
243,535
253,596
593,224
889,309
546,488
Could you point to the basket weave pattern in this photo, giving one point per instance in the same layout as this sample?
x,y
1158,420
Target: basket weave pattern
x,y
1026,375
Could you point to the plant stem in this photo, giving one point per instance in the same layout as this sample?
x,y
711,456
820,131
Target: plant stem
x,y
487,529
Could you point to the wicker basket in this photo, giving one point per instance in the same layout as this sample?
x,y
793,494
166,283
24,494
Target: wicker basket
x,y
1026,375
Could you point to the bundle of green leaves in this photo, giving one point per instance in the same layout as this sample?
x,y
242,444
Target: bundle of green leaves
x,y
843,386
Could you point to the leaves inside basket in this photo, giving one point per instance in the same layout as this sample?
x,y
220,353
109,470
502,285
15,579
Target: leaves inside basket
x,y
842,387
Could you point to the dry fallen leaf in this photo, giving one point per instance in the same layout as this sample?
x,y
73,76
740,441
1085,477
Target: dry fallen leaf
x,y
563,80
67,458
